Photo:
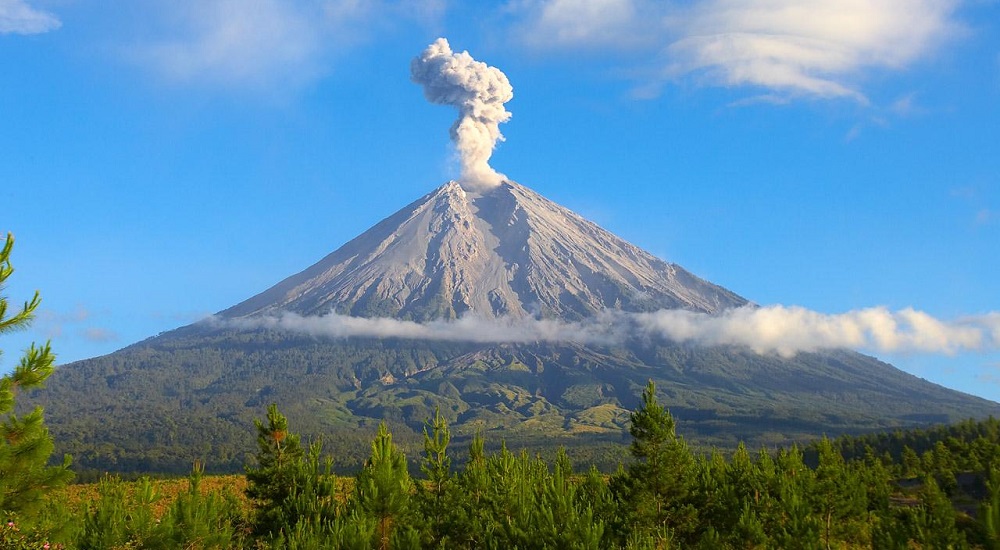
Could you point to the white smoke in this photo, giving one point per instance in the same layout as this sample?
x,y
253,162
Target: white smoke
x,y
780,330
479,92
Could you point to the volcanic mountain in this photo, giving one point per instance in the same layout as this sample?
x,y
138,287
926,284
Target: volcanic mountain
x,y
506,253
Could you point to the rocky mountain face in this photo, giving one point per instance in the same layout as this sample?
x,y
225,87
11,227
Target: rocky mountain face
x,y
505,252
191,394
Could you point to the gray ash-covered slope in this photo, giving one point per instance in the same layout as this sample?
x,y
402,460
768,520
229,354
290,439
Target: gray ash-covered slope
x,y
506,252
191,394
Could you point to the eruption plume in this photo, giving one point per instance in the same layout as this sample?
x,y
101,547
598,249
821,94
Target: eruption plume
x,y
478,91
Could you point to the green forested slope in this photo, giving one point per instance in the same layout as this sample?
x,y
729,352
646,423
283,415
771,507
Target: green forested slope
x,y
189,394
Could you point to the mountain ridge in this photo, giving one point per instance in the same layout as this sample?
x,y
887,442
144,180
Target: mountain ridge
x,y
503,252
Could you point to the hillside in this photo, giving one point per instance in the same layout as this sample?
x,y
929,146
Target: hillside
x,y
184,396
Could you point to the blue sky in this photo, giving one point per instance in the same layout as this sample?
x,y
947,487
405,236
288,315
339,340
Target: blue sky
x,y
162,160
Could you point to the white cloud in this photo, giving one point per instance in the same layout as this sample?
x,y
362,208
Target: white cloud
x,y
231,41
51,323
815,49
978,199
773,329
467,329
99,335
17,17
264,43
907,106
596,24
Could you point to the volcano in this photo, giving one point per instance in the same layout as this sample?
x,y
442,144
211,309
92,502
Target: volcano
x,y
499,254
506,252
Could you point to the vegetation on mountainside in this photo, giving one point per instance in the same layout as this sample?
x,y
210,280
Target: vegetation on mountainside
x,y
188,396
666,496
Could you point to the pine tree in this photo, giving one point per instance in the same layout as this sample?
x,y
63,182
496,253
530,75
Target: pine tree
x,y
434,498
989,510
288,486
201,521
382,490
838,494
25,444
658,483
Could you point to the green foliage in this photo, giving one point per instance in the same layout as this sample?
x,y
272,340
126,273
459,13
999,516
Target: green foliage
x,y
989,511
659,482
12,537
383,491
196,520
837,496
288,485
120,518
666,497
25,444
436,497
935,520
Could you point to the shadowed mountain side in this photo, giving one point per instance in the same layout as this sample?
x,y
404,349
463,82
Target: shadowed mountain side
x,y
192,394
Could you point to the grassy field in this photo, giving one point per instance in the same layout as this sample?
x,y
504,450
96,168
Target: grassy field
x,y
75,497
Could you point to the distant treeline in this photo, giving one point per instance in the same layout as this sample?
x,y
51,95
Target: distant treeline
x,y
929,488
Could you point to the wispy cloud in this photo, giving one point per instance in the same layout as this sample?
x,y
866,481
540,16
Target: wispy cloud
x,y
99,335
236,42
265,43
52,323
588,24
774,329
819,49
17,17
989,374
978,198
985,216
907,106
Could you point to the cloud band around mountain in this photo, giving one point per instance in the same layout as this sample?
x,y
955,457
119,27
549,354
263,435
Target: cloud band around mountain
x,y
780,330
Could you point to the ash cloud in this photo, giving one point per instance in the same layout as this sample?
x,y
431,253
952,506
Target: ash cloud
x,y
780,330
479,92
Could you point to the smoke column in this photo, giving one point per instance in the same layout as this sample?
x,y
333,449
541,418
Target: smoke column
x,y
478,91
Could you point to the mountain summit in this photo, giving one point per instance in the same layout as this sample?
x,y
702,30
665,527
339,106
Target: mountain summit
x,y
504,252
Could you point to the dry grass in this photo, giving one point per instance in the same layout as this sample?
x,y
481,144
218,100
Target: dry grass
x,y
76,497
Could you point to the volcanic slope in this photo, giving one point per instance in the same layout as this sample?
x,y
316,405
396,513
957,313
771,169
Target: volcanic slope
x,y
508,252
190,394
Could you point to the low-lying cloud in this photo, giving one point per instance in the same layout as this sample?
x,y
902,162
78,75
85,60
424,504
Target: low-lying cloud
x,y
773,329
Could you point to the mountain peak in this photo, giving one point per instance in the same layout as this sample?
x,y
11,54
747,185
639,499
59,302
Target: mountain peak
x,y
506,251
